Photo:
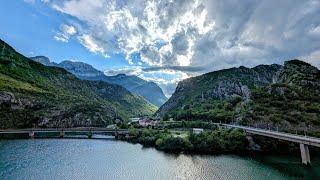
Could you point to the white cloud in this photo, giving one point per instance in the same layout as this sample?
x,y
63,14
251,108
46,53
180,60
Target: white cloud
x,y
212,34
166,78
136,70
315,31
66,31
88,42
313,58
30,1
34,1
45,1
127,28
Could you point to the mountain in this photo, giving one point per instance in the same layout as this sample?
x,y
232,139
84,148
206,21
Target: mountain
x,y
219,85
149,90
81,70
32,94
44,60
285,97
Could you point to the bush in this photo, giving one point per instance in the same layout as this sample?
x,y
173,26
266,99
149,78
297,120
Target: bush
x,y
133,131
216,141
173,144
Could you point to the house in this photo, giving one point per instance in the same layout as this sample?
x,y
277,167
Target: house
x,y
145,122
134,119
197,130
118,121
112,126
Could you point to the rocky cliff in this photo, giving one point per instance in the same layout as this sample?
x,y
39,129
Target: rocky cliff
x,y
285,97
220,85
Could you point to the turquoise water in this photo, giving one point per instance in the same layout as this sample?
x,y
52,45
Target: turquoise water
x,y
109,159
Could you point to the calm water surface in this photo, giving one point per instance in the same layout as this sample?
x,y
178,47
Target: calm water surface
x,y
109,159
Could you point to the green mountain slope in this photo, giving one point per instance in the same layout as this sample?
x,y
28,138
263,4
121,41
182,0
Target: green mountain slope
x,y
149,90
267,95
32,94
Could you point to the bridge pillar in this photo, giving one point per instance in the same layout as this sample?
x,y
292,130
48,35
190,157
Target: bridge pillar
x,y
61,134
31,134
89,134
305,155
116,134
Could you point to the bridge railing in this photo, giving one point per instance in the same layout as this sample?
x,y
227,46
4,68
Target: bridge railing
x,y
268,127
289,135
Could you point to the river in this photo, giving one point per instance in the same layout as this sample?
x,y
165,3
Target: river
x,y
110,159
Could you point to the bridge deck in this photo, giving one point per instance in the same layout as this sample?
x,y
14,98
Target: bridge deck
x,y
279,135
304,141
65,130
274,134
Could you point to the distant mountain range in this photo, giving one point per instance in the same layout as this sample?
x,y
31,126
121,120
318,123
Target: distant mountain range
x,y
284,97
149,90
32,94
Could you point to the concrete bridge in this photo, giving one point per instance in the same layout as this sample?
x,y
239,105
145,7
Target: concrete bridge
x,y
304,141
62,131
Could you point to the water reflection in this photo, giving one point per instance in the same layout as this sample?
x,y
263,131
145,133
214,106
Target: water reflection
x,y
110,159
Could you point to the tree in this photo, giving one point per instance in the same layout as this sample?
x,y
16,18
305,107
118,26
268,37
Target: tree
x,y
133,131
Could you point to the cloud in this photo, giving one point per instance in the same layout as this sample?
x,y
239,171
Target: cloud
x,y
45,1
166,77
206,34
66,31
30,1
88,42
313,58
34,1
187,69
124,27
125,70
315,31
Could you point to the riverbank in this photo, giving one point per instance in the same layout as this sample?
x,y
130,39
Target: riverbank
x,y
213,141
181,140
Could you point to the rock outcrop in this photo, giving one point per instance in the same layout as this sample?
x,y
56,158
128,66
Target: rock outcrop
x,y
223,84
299,73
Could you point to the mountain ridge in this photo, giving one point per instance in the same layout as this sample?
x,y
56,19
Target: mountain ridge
x,y
133,83
32,94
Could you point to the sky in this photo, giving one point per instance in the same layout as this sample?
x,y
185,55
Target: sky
x,y
164,41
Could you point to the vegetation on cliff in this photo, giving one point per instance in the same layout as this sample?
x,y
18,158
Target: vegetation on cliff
x,y
267,96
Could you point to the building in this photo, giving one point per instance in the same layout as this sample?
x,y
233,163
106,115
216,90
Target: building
x,y
145,122
112,126
134,119
197,130
118,121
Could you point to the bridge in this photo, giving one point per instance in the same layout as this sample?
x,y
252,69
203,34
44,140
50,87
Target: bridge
x,y
304,141
62,131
